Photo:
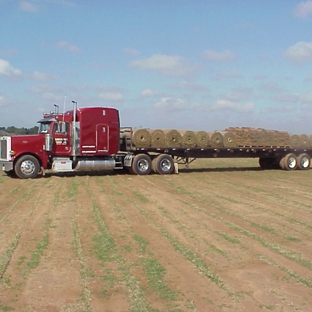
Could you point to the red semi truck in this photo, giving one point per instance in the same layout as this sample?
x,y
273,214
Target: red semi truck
x,y
87,139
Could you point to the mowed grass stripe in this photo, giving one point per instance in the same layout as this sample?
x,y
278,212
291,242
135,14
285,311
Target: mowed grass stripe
x,y
108,251
225,208
289,254
142,256
186,252
18,196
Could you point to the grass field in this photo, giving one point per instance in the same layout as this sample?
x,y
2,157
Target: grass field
x,y
223,236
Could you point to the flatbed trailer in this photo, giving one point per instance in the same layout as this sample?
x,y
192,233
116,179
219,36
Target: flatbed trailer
x,y
163,159
90,138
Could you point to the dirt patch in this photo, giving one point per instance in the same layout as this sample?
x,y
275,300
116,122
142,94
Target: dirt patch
x,y
229,237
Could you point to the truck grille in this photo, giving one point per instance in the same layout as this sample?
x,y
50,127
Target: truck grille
x,y
3,149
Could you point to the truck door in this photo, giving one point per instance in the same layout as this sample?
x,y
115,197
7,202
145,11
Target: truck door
x,y
61,139
102,135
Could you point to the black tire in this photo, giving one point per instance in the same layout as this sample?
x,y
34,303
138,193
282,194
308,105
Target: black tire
x,y
163,164
282,163
141,165
304,161
266,163
290,162
27,167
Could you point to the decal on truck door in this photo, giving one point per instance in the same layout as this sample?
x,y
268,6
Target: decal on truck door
x,y
102,142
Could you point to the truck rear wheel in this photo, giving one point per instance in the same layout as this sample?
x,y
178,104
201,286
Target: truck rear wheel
x,y
27,167
304,161
163,164
141,165
290,162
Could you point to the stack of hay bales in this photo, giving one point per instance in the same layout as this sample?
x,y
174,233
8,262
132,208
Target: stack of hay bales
x,y
247,136
229,138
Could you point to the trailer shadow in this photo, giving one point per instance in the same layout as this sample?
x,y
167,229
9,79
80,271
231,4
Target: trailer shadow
x,y
223,169
181,170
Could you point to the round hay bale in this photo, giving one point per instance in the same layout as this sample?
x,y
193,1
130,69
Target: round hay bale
x,y
229,139
310,140
188,139
294,140
141,138
304,141
202,138
173,138
216,140
158,138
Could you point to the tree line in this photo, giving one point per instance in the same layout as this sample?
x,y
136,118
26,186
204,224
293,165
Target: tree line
x,y
13,130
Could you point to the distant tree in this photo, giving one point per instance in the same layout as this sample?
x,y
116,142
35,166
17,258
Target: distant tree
x,y
23,130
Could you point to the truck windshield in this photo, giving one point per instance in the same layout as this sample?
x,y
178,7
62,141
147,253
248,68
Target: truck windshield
x,y
44,127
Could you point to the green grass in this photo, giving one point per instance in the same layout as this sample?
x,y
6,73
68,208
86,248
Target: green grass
x,y
228,238
5,308
41,246
155,274
6,257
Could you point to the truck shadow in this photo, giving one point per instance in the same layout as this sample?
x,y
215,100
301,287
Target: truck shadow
x,y
181,170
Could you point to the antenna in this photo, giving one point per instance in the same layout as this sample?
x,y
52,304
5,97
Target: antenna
x,y
64,108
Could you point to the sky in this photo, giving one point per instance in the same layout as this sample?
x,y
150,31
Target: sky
x,y
164,64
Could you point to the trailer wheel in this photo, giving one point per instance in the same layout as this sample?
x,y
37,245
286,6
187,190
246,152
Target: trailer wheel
x,y
266,163
290,162
141,165
282,163
163,164
304,161
27,167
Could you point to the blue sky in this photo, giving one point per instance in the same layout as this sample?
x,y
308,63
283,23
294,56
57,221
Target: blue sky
x,y
183,64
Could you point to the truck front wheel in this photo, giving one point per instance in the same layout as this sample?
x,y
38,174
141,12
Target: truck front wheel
x,y
27,167
141,165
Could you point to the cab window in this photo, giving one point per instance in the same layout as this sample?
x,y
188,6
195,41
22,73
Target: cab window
x,y
44,127
60,127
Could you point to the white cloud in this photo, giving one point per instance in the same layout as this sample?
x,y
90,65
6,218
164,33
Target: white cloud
x,y
299,53
38,76
149,92
171,104
233,74
303,9
7,70
233,106
33,6
308,78
67,46
111,97
239,94
185,85
28,6
286,98
132,51
213,56
167,65
48,93
307,98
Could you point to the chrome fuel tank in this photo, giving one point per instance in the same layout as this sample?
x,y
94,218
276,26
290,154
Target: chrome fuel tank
x,y
90,165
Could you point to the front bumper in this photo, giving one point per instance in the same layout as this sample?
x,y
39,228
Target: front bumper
x,y
6,165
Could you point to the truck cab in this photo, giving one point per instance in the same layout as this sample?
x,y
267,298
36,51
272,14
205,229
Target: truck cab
x,y
79,139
